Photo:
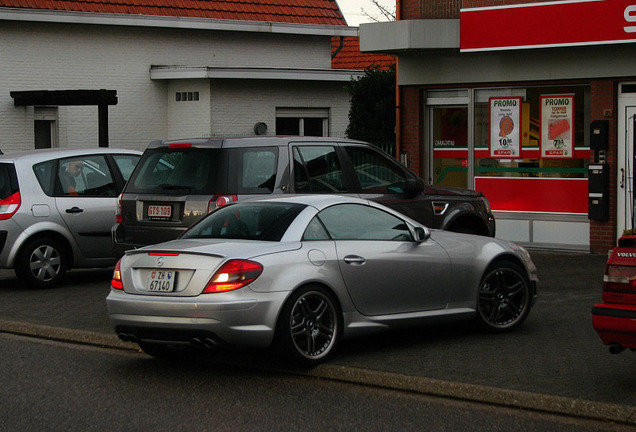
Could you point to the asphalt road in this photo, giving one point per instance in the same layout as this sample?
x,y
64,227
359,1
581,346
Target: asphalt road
x,y
80,388
555,362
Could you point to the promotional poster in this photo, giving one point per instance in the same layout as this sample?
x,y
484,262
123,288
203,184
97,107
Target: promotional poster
x,y
557,126
505,127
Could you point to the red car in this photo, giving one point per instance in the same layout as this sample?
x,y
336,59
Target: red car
x,y
615,319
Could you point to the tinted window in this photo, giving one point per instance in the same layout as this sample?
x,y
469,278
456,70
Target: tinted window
x,y
80,176
257,170
253,221
8,185
175,171
315,231
317,169
359,222
376,172
126,164
46,174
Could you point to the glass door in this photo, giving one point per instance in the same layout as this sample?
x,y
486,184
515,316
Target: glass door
x,y
625,171
449,140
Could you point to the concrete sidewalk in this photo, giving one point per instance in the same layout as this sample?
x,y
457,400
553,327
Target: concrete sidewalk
x,y
554,363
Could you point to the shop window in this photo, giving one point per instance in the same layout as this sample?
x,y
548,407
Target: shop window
x,y
533,133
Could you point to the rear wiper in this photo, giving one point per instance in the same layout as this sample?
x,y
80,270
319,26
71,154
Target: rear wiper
x,y
167,186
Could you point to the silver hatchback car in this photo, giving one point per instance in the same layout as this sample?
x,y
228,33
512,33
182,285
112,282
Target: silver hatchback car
x,y
57,208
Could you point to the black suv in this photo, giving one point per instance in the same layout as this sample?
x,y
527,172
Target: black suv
x,y
177,182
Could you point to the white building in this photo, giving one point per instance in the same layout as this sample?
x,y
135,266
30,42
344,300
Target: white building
x,y
167,73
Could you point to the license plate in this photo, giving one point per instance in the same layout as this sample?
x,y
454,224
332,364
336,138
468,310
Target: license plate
x,y
161,280
156,211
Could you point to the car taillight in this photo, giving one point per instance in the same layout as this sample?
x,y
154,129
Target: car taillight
x,y
233,275
180,145
118,216
220,200
619,279
9,205
116,282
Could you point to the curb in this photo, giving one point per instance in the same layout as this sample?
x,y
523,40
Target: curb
x,y
549,404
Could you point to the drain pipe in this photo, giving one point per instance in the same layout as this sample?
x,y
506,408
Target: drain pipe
x,y
398,113
335,53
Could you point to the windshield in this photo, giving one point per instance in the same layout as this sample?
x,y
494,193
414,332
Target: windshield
x,y
251,221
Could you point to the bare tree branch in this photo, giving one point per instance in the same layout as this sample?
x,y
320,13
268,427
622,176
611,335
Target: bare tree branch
x,y
389,15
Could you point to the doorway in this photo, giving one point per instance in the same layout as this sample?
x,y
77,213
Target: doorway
x,y
625,154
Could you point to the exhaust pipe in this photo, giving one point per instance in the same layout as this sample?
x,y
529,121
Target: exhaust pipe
x,y
127,337
616,348
209,343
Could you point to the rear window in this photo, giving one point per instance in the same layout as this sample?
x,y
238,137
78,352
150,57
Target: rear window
x,y
177,171
204,171
8,182
251,221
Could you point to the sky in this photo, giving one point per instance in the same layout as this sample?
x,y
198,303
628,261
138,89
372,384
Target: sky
x,y
352,10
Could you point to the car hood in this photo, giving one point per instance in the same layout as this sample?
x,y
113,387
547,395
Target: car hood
x,y
221,248
445,190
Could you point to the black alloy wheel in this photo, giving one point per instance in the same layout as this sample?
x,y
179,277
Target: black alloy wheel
x,y
504,297
309,325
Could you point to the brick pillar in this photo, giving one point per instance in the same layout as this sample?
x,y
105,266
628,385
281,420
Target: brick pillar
x,y
603,107
411,127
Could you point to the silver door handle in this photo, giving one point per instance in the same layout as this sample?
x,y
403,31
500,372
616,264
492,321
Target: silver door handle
x,y
354,260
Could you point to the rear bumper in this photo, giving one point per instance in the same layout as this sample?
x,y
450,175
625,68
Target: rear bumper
x,y
120,243
615,324
240,318
127,237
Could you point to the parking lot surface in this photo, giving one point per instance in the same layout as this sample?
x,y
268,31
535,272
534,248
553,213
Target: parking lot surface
x,y
555,358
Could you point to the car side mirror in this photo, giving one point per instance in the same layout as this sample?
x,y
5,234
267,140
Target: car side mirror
x,y
422,234
414,185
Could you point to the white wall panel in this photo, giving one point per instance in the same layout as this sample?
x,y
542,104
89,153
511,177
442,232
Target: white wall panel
x,y
44,56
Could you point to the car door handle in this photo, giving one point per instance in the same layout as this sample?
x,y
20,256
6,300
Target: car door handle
x,y
74,210
354,260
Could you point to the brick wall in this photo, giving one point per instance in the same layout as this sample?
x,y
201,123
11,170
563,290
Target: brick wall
x,y
603,103
448,9
482,3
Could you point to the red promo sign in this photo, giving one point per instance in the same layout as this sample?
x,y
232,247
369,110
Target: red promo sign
x,y
549,24
535,194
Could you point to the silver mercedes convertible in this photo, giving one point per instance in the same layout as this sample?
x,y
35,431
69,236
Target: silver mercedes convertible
x,y
306,272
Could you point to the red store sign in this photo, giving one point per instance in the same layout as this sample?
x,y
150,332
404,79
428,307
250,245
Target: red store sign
x,y
548,24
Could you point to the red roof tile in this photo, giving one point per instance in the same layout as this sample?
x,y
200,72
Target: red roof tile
x,y
350,57
324,12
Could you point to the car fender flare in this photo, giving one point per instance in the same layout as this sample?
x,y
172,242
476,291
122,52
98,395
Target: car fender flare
x,y
41,229
318,283
463,211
